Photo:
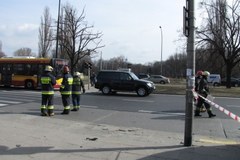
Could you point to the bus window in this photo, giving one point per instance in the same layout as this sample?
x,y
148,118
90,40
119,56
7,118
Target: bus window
x,y
18,69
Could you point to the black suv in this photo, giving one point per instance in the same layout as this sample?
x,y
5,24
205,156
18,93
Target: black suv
x,y
112,80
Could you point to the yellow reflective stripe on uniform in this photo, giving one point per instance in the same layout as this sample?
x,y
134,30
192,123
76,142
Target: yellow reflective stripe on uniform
x,y
43,107
70,81
48,92
50,107
67,108
45,80
76,92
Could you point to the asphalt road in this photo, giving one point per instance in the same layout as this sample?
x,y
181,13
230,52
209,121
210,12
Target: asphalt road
x,y
155,112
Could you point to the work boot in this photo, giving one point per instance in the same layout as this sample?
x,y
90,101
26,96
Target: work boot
x,y
50,112
197,113
210,114
43,112
65,111
74,109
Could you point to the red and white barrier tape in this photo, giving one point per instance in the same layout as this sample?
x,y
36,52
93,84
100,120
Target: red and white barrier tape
x,y
230,114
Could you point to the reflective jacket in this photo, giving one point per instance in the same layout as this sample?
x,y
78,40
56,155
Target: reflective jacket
x,y
66,87
77,85
47,81
203,87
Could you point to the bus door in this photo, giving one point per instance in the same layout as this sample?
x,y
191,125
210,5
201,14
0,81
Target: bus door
x,y
6,77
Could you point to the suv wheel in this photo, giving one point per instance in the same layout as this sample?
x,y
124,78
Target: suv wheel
x,y
106,90
141,91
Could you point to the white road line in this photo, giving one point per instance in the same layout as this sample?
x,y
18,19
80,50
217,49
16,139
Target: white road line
x,y
233,106
85,106
22,100
166,113
10,102
145,111
137,100
2,105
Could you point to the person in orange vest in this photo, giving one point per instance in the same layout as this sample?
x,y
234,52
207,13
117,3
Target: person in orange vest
x,y
66,89
47,81
76,90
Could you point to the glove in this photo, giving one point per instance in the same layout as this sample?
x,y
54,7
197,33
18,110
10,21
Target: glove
x,y
83,90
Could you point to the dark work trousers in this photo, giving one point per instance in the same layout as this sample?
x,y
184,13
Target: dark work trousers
x,y
47,100
76,99
66,101
201,101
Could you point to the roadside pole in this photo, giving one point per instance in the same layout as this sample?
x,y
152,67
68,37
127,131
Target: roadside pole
x,y
190,33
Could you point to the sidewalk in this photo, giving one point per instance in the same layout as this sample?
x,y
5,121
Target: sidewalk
x,y
27,137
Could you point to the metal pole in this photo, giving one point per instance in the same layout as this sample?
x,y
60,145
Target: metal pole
x,y
161,47
101,62
190,75
59,4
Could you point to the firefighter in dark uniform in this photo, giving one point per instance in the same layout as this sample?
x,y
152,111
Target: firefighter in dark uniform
x,y
47,81
198,78
76,90
203,90
66,89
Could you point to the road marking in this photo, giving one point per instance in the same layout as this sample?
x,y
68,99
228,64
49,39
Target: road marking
x,y
10,102
233,106
86,106
145,111
217,141
2,105
159,112
137,100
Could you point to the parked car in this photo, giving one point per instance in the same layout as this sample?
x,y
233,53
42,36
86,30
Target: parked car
x,y
235,82
111,81
143,75
214,79
158,79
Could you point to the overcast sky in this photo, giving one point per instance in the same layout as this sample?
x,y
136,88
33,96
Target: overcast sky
x,y
130,27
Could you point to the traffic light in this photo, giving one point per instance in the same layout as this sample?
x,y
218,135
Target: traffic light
x,y
87,65
186,19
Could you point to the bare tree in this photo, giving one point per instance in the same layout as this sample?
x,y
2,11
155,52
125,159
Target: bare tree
x,y
23,52
77,38
221,32
45,34
2,54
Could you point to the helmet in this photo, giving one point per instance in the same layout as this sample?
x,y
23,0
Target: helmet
x,y
199,73
77,74
205,73
66,69
48,68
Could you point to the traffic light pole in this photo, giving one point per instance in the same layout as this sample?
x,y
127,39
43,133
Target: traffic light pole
x,y
190,73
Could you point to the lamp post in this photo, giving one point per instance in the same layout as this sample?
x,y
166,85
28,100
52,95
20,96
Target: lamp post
x,y
161,47
59,4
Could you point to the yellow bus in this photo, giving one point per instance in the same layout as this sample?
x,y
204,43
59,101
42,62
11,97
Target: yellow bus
x,y
26,71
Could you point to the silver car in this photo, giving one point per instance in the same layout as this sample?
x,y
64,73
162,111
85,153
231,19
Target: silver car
x,y
158,79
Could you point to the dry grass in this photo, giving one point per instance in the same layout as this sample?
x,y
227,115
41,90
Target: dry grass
x,y
178,86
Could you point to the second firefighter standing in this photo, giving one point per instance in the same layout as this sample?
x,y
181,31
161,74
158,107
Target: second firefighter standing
x,y
77,89
66,89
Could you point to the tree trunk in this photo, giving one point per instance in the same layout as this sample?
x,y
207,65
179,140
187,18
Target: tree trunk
x,y
229,74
